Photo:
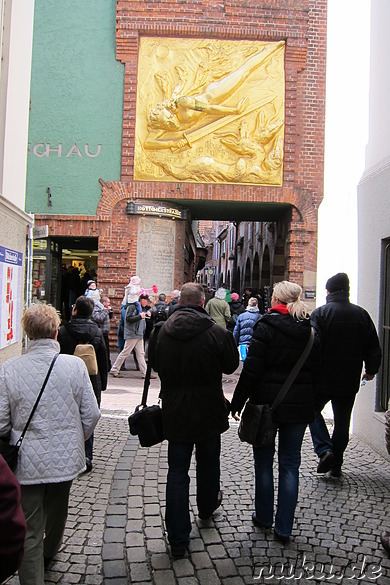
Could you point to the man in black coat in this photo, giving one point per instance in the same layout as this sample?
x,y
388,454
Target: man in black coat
x,y
190,355
348,339
81,329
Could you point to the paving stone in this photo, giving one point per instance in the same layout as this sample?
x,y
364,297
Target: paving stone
x,y
139,572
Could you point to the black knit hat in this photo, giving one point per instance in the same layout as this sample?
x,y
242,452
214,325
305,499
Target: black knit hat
x,y
339,281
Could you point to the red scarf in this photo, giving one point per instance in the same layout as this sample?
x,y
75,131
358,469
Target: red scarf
x,y
282,309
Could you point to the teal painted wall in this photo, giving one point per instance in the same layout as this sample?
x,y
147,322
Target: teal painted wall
x,y
76,105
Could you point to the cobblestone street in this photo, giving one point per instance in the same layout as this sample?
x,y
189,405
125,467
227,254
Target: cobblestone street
x,y
115,531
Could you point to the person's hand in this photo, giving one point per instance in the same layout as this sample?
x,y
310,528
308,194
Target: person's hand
x,y
142,315
368,377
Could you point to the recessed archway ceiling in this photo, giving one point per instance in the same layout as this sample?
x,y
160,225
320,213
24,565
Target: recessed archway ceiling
x,y
233,210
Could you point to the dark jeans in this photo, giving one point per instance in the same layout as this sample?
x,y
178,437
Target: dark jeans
x,y
342,410
177,515
289,459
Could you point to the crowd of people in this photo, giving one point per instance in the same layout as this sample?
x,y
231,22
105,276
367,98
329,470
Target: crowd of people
x,y
198,341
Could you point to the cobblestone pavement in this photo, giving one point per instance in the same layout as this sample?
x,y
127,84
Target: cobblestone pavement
x,y
115,531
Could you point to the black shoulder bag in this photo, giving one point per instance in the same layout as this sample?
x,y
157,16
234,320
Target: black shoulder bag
x,y
9,452
256,425
146,421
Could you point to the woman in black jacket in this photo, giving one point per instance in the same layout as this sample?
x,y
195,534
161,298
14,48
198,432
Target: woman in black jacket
x,y
279,339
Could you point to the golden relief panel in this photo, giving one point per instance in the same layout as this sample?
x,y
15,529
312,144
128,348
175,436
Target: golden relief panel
x,y
210,111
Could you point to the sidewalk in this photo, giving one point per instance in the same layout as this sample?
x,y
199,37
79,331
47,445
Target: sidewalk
x,y
115,530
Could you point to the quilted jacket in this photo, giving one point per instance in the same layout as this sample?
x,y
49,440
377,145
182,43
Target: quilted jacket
x,y
53,447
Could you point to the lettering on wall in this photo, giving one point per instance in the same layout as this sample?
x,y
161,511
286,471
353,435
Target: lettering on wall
x,y
42,149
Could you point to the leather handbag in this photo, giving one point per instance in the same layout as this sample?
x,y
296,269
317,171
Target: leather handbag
x,y
256,425
146,421
9,452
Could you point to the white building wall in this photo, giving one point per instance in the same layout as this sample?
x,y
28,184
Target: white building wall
x,y
15,51
374,210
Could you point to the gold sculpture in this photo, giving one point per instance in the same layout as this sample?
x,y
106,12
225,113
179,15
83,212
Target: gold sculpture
x,y
210,111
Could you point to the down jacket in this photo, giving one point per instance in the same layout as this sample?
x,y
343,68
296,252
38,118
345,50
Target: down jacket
x,y
278,341
243,329
53,447
190,355
348,338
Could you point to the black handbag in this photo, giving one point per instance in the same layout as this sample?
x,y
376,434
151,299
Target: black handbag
x,y
10,453
256,425
146,421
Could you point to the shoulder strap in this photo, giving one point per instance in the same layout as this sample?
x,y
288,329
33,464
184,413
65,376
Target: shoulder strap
x,y
37,401
294,372
152,344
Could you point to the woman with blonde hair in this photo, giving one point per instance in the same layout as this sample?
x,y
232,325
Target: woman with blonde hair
x,y
279,338
52,454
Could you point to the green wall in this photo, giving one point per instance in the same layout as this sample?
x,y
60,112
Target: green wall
x,y
76,100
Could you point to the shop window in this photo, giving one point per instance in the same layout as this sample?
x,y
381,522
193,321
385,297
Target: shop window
x,y
384,377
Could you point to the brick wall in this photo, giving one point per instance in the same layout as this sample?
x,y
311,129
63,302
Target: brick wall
x,y
302,25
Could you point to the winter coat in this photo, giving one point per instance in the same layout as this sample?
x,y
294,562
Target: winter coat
x,y
82,330
219,310
190,355
134,324
172,306
348,338
243,329
53,447
101,317
278,341
236,308
12,523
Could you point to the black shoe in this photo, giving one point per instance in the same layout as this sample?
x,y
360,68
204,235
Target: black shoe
x,y
47,561
178,552
385,540
335,472
88,463
219,502
326,462
259,524
280,538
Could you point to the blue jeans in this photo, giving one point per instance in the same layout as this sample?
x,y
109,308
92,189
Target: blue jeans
x,y
289,459
342,411
177,514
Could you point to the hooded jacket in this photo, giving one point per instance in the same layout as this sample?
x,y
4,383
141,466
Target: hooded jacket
x,y
190,355
278,341
348,338
243,329
219,310
83,330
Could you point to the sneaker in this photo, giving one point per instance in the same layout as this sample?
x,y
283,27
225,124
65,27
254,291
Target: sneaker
x,y
219,502
335,472
114,373
325,463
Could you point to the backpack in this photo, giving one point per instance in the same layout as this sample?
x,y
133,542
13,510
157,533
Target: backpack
x,y
161,314
86,352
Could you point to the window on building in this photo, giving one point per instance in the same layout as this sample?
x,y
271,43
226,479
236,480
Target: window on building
x,y
384,379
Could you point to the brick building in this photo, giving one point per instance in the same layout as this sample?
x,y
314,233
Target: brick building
x,y
144,226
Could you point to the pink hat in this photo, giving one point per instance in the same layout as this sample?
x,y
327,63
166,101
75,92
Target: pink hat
x,y
234,297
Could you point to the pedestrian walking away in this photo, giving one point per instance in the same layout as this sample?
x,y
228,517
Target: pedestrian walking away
x,y
81,329
348,340
278,341
52,452
190,355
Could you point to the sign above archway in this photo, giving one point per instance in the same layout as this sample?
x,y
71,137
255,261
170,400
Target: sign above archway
x,y
210,111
